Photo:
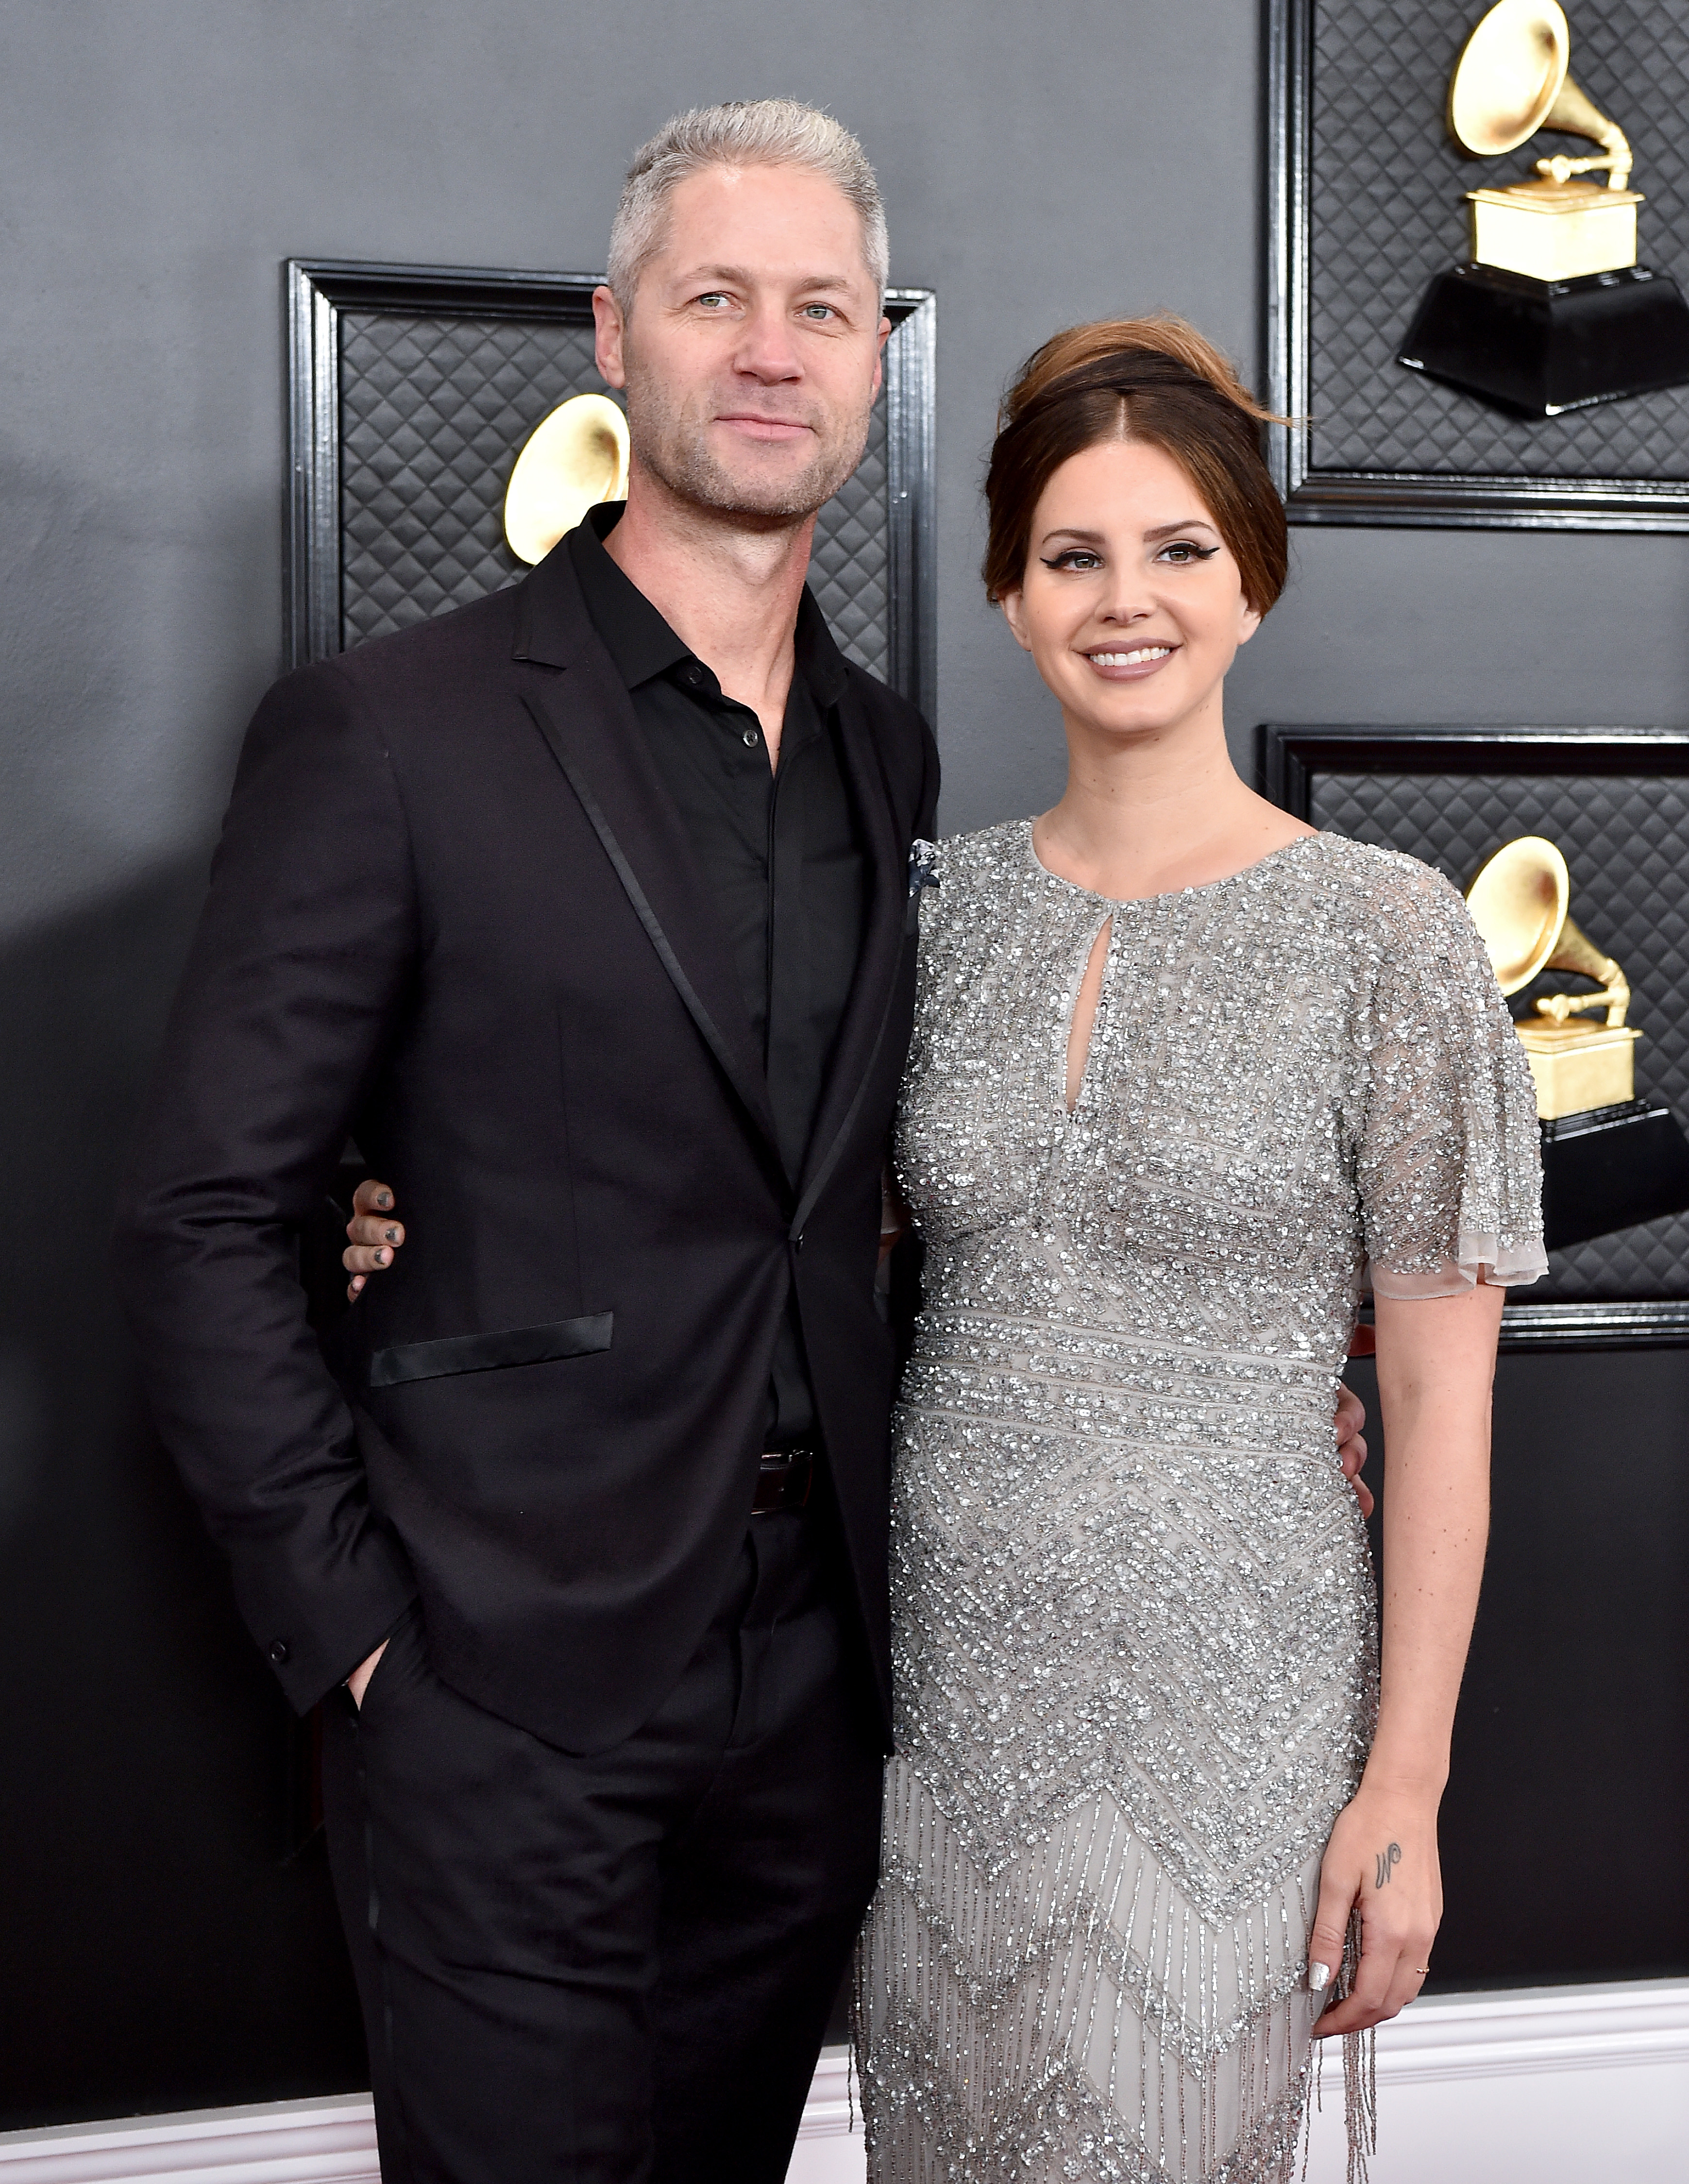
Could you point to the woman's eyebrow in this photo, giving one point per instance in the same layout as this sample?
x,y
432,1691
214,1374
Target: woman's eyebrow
x,y
1083,537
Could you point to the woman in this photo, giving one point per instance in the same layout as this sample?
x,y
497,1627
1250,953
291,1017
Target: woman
x,y
1184,1068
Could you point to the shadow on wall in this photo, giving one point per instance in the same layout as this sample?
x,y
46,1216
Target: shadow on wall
x,y
159,1954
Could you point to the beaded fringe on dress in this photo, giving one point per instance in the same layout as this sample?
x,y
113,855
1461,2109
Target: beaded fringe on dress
x,y
1073,2016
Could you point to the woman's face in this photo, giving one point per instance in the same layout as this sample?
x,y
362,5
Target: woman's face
x,y
1132,605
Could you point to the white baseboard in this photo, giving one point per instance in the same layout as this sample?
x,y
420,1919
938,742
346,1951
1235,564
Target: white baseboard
x,y
332,2141
829,2149
1571,2085
316,2142
1581,2085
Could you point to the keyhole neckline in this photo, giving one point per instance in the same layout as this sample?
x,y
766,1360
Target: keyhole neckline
x,y
1097,956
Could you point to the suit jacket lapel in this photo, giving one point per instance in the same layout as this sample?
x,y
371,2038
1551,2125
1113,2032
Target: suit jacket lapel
x,y
588,724
862,1033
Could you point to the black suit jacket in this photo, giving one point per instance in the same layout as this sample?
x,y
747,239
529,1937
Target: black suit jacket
x,y
455,915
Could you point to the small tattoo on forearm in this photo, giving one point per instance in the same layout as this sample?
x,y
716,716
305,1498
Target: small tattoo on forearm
x,y
1384,1860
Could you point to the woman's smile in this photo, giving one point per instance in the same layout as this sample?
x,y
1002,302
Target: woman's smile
x,y
1116,664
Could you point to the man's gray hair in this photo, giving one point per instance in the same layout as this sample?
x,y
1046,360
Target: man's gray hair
x,y
759,132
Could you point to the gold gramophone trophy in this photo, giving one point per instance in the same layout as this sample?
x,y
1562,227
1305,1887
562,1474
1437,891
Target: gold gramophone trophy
x,y
1609,1160
1552,312
574,458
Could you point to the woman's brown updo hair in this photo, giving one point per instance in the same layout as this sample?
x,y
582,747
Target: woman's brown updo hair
x,y
1154,380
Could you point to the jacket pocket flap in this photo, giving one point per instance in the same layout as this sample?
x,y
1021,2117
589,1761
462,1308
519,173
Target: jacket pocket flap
x,y
479,1353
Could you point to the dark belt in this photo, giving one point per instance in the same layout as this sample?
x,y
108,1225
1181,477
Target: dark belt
x,y
784,1481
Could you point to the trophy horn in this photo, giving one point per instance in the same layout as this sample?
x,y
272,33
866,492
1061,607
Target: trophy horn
x,y
1580,116
1512,80
572,460
1519,899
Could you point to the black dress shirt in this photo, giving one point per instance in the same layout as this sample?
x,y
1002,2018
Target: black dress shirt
x,y
781,850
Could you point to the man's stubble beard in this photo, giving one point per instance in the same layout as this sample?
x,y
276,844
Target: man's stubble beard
x,y
674,448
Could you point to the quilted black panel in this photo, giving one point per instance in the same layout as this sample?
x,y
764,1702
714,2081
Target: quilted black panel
x,y
433,412
849,566
1626,840
1387,211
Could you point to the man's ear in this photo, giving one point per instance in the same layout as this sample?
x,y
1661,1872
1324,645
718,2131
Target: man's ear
x,y
611,339
879,355
1013,604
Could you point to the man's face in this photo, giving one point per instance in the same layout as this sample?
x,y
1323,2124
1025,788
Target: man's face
x,y
751,356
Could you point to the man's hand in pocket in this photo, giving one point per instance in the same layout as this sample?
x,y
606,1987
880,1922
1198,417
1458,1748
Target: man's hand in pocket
x,y
358,1682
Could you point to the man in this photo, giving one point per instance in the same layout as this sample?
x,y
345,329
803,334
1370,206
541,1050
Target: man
x,y
585,911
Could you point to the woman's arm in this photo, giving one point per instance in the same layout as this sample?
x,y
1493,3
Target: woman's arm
x,y
1436,1361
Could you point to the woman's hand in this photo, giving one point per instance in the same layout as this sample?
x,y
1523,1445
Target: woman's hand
x,y
1382,1862
376,1236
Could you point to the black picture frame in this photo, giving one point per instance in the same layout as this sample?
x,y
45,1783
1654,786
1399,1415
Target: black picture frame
x,y
318,291
1424,499
1290,758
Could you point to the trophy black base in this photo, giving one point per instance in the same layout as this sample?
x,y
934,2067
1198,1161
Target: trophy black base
x,y
1611,1169
1541,347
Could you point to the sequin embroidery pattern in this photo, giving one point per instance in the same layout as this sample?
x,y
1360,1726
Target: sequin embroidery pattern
x,y
1133,1622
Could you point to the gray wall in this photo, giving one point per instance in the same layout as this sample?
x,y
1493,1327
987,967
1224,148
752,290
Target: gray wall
x,y
156,162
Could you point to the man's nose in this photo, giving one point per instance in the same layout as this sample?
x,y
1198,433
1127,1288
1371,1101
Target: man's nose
x,y
766,348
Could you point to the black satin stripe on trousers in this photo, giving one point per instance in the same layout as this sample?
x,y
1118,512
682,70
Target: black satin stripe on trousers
x,y
613,1968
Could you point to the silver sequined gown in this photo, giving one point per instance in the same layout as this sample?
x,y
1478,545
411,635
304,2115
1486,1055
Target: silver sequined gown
x,y
1133,1608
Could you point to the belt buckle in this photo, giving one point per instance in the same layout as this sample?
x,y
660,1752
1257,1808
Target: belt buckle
x,y
784,1478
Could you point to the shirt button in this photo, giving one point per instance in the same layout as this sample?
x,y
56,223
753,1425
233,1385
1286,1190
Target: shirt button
x,y
694,676
751,739
280,1651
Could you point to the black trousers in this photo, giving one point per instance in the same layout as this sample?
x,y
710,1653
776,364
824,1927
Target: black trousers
x,y
614,1968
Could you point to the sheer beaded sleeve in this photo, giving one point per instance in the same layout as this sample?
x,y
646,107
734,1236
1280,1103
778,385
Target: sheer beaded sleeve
x,y
1449,1163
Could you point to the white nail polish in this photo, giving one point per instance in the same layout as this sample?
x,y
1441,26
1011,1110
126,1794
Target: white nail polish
x,y
1319,1976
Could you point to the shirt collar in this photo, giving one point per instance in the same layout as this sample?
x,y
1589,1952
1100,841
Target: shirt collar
x,y
819,660
641,643
635,635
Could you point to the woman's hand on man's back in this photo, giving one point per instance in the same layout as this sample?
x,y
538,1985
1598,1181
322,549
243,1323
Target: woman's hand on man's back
x,y
375,1233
